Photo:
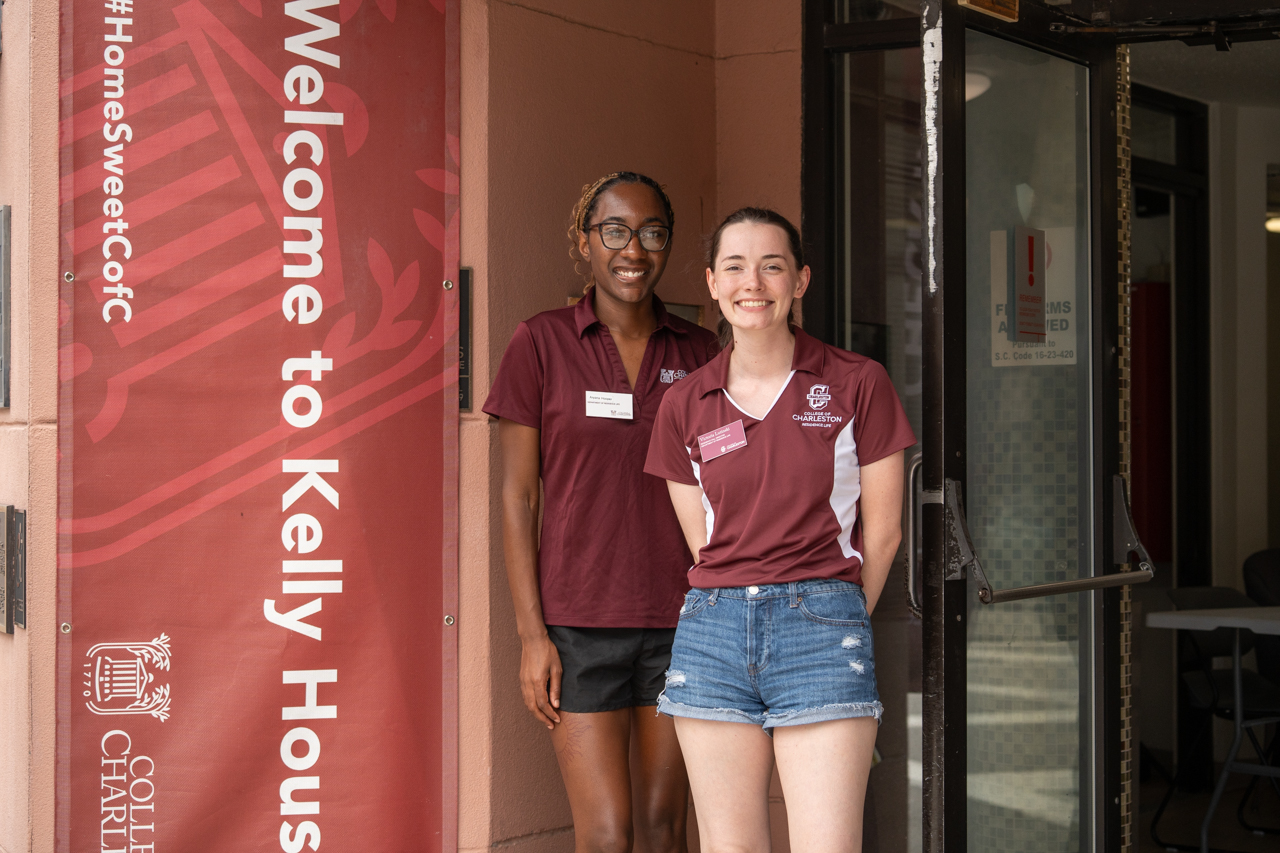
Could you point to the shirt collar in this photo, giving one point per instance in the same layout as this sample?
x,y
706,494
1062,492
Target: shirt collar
x,y
584,314
810,357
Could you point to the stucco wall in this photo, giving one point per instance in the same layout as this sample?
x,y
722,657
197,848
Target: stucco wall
x,y
28,433
758,135
554,94
758,105
705,97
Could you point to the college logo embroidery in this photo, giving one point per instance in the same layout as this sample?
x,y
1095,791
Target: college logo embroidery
x,y
819,396
669,376
120,678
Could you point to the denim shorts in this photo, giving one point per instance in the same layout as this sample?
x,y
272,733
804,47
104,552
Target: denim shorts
x,y
773,655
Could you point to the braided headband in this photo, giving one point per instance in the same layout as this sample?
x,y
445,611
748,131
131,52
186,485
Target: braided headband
x,y
588,195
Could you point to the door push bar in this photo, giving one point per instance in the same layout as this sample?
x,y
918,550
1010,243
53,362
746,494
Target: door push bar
x,y
962,555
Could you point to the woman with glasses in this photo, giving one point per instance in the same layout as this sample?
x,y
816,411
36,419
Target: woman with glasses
x,y
597,588
784,461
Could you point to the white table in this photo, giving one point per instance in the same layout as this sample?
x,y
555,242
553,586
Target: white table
x,y
1259,620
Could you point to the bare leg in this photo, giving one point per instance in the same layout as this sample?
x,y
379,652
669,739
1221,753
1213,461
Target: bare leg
x,y
730,765
823,768
660,786
592,750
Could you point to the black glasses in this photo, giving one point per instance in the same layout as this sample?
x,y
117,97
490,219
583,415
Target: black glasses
x,y
615,235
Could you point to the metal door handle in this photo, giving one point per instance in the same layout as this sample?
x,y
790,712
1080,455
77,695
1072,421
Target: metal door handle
x,y
962,555
913,529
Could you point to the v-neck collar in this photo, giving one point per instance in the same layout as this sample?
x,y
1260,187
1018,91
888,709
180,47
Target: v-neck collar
x,y
776,398
584,315
809,356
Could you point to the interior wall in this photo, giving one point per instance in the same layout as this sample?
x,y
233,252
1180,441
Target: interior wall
x,y
28,428
1243,140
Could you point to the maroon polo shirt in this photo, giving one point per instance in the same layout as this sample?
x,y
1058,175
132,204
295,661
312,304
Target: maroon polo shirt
x,y
611,553
785,506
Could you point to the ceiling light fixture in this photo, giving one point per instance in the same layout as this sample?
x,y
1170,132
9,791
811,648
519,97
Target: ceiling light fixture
x,y
975,83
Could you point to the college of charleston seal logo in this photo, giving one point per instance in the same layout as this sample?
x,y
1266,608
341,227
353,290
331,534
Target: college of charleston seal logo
x,y
121,678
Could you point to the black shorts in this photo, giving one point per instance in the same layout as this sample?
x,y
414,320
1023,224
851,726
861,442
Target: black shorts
x,y
610,668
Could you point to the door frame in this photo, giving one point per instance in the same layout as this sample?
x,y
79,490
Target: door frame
x,y
1187,183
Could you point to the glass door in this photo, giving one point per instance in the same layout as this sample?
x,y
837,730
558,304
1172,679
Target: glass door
x,y
1029,485
1024,532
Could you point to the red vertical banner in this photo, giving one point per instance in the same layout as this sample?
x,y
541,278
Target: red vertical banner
x,y
257,425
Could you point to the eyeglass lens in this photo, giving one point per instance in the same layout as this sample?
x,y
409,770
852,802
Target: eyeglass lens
x,y
653,238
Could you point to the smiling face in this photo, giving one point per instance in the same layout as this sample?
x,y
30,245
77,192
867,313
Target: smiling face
x,y
755,278
626,275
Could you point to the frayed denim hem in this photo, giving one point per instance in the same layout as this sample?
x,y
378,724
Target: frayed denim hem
x,y
767,721
721,715
839,711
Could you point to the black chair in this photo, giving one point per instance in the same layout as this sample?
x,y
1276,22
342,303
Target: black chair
x,y
1212,690
1262,582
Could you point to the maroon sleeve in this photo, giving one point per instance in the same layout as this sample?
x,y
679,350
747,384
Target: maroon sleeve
x,y
880,426
517,389
668,458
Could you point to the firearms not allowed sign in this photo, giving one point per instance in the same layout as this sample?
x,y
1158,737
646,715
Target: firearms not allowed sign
x,y
1038,280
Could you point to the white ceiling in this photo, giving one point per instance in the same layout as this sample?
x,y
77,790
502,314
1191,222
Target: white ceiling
x,y
1248,74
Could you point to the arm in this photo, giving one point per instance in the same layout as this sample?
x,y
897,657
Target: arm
x,y
693,517
880,510
539,660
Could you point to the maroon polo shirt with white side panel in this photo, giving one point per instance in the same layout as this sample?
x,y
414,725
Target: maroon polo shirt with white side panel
x,y
784,506
611,553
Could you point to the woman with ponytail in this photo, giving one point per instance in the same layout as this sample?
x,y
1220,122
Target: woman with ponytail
x,y
597,586
784,461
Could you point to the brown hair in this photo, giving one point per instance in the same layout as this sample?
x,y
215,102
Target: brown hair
x,y
586,206
754,216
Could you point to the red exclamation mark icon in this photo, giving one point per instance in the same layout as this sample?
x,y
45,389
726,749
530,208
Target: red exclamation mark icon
x,y
1031,260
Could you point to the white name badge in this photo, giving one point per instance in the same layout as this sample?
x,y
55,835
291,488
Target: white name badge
x,y
607,404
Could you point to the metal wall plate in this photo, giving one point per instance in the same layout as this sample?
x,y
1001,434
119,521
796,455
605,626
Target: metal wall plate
x,y
7,579
464,339
13,569
18,559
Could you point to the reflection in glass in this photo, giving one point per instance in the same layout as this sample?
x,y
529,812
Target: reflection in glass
x,y
849,11
1028,490
1154,134
879,302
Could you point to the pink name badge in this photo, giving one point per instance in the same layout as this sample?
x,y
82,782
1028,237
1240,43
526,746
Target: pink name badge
x,y
724,440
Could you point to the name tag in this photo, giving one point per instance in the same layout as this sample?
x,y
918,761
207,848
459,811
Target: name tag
x,y
607,404
720,441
